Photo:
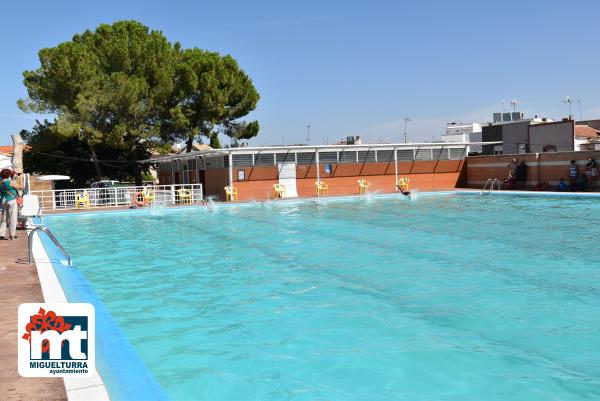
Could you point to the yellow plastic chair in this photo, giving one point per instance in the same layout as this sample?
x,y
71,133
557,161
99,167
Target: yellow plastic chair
x,y
403,184
279,191
185,196
230,193
148,195
83,199
363,186
322,188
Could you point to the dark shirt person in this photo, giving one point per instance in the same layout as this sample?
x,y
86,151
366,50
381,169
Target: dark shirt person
x,y
581,183
521,173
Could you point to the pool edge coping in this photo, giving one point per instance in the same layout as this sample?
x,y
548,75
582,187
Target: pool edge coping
x,y
77,389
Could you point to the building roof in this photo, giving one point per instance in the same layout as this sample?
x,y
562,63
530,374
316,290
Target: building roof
x,y
197,147
585,131
6,150
315,148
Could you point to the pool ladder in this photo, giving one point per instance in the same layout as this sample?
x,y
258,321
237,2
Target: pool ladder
x,y
52,237
491,182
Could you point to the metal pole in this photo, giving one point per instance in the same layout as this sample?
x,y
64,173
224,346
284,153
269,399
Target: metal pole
x,y
318,166
230,169
396,167
172,172
406,119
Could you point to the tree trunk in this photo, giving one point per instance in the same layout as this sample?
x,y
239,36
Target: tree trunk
x,y
95,162
137,172
17,157
188,144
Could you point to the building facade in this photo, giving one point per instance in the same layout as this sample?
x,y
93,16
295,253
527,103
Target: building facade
x,y
463,133
531,135
254,171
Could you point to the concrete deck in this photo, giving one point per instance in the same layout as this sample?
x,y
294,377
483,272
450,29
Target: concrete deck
x,y
19,283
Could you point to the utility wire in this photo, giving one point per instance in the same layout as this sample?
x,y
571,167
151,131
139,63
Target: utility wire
x,y
105,162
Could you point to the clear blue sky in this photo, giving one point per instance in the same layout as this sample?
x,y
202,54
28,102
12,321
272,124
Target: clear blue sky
x,y
350,67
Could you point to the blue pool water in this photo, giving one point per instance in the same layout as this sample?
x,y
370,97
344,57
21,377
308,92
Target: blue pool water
x,y
445,297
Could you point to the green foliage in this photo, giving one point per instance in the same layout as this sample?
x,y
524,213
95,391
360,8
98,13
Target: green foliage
x,y
214,141
51,153
211,94
126,88
106,87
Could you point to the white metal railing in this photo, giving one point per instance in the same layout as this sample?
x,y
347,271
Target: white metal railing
x,y
88,198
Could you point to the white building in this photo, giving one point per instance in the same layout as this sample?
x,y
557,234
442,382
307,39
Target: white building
x,y
5,161
586,138
464,132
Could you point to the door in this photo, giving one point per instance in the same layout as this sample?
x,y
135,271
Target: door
x,y
287,178
202,180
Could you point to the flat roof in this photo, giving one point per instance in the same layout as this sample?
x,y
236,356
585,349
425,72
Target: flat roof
x,y
314,148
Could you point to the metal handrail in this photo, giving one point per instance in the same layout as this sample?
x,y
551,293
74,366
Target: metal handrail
x,y
491,181
52,237
488,181
496,180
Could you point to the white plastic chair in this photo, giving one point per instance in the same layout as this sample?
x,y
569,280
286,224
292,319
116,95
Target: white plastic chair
x,y
31,208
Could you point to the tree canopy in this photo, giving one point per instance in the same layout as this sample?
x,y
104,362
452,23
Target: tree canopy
x,y
50,153
128,88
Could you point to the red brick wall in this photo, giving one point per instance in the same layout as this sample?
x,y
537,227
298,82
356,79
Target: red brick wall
x,y
424,176
546,168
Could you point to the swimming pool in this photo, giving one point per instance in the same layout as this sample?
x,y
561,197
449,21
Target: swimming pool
x,y
449,296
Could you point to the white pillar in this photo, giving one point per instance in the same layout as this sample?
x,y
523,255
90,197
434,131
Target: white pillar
x,y
318,165
396,167
230,169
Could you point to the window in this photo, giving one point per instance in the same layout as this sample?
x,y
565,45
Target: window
x,y
330,157
385,156
345,156
288,157
242,160
405,154
305,158
264,159
366,156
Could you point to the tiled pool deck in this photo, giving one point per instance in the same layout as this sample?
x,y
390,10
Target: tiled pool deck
x,y
19,283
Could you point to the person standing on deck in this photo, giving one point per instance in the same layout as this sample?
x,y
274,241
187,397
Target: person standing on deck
x,y
512,174
591,171
572,175
10,210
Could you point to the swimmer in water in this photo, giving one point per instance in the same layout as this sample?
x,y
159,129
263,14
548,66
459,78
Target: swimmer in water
x,y
403,192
